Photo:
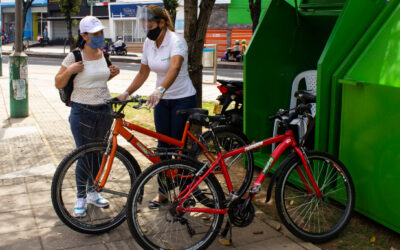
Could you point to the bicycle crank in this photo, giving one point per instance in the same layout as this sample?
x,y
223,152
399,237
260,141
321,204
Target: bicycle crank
x,y
240,214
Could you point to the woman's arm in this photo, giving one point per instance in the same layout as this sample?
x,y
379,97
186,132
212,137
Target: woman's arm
x,y
173,71
114,70
137,82
65,73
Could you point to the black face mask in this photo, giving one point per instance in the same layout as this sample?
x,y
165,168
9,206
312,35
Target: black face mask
x,y
154,33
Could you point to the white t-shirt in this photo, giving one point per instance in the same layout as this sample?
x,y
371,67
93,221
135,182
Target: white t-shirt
x,y
90,85
158,59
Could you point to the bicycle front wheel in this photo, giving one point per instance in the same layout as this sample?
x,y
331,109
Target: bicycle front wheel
x,y
164,227
75,177
303,213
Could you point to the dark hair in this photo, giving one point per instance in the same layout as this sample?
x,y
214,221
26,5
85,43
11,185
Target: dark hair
x,y
81,42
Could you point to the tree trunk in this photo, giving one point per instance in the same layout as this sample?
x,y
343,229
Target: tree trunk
x,y
70,36
255,11
195,32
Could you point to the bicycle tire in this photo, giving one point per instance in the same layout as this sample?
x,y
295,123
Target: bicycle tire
x,y
232,138
63,191
151,228
331,176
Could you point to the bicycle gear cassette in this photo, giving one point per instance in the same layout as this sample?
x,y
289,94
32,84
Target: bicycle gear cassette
x,y
240,215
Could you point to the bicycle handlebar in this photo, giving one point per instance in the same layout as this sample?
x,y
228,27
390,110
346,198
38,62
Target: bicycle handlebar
x,y
136,98
283,114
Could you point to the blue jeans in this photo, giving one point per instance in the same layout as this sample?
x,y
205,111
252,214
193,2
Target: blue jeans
x,y
88,124
169,123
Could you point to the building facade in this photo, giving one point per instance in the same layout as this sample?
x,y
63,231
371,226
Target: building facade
x,y
35,19
57,27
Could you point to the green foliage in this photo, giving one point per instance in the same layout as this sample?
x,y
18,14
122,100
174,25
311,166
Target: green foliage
x,y
70,7
170,6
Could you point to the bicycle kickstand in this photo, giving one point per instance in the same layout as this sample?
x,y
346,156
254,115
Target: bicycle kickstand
x,y
223,240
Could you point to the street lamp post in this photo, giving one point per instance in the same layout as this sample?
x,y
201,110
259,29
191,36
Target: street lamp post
x,y
91,7
18,62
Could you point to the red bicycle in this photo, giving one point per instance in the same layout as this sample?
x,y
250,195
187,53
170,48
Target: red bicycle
x,y
314,195
110,169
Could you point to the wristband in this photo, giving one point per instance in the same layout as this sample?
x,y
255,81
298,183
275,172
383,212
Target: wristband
x,y
161,89
126,93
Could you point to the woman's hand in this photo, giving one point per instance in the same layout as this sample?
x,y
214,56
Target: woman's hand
x,y
123,96
114,70
154,98
76,67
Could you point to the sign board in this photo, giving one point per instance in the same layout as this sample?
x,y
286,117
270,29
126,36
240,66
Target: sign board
x,y
126,10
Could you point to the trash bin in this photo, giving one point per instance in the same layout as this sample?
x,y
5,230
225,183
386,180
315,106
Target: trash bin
x,y
208,58
354,47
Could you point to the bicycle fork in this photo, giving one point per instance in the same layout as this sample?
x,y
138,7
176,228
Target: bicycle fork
x,y
108,156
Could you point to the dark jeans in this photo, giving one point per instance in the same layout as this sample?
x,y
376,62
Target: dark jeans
x,y
88,124
169,123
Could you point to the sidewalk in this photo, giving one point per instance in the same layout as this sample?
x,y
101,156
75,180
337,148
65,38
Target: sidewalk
x,y
61,51
32,147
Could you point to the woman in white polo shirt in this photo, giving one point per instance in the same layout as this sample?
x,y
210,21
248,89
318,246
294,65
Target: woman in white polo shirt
x,y
165,53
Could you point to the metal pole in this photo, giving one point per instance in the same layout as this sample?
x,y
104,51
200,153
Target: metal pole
x,y
91,7
18,70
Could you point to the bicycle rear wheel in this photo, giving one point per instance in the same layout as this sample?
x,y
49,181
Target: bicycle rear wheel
x,y
303,213
64,188
163,227
240,167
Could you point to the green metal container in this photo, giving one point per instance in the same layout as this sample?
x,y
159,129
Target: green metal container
x,y
354,45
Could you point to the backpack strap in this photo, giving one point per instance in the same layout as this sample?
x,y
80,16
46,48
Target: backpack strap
x,y
77,55
107,57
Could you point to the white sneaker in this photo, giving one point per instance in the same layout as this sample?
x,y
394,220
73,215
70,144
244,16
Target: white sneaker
x,y
96,199
80,208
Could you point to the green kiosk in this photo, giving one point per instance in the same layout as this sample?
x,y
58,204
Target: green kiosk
x,y
355,47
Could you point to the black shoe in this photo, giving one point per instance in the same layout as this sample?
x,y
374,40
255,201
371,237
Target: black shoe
x,y
156,204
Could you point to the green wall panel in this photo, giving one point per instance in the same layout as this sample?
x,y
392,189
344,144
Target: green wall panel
x,y
369,147
239,12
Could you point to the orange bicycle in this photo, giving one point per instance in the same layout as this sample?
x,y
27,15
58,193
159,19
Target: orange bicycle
x,y
111,169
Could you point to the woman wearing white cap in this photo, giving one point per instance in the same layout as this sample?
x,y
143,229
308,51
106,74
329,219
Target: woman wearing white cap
x,y
165,53
89,117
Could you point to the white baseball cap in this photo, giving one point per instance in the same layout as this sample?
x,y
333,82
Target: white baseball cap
x,y
90,24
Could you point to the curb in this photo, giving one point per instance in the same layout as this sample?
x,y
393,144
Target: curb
x,y
137,60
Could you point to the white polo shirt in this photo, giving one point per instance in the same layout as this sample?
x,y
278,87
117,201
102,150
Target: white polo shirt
x,y
158,59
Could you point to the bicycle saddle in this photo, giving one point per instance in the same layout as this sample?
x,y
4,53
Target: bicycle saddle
x,y
192,111
305,96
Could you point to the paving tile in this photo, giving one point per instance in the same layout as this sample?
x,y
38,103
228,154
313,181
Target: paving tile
x,y
63,237
123,245
23,240
12,190
40,199
12,203
17,221
46,217
273,243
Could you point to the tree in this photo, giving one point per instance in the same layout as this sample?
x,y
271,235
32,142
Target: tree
x,y
26,4
255,11
170,6
195,33
70,8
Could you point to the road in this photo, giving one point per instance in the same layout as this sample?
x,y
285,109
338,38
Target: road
x,y
221,73
47,68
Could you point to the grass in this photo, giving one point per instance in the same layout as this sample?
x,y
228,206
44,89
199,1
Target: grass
x,y
145,118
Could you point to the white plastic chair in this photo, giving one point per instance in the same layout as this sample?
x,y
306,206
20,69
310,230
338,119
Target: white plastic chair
x,y
310,78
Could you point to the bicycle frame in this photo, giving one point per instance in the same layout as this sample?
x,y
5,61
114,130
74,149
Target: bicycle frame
x,y
123,128
287,140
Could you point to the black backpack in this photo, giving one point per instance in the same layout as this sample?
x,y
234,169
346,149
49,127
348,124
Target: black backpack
x,y
65,93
